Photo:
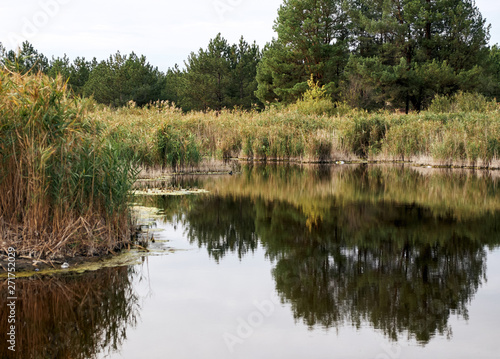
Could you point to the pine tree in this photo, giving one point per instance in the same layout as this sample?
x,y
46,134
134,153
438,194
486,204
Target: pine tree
x,y
424,47
79,74
313,38
222,76
26,59
123,78
207,77
244,60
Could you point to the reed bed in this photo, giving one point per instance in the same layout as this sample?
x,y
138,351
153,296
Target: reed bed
x,y
64,178
163,136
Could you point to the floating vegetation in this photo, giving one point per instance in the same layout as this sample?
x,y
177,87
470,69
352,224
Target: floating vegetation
x,y
167,192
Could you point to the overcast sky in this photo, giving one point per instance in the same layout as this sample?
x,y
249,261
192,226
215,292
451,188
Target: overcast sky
x,y
165,31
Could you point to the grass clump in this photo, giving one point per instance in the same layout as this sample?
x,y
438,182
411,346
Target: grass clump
x,y
462,102
64,179
177,149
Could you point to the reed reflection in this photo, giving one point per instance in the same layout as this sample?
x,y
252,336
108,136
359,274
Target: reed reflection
x,y
72,316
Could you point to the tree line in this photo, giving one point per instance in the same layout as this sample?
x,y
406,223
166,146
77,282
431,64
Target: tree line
x,y
222,76
396,54
379,53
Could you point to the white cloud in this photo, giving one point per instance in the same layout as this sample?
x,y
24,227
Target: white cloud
x,y
166,32
490,9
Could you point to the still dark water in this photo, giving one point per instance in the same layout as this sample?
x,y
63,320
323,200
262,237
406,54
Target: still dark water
x,y
291,262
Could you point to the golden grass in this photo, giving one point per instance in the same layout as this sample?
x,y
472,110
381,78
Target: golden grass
x,y
64,185
154,133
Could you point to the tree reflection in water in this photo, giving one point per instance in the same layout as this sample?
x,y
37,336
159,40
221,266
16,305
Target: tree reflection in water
x,y
397,248
72,316
397,284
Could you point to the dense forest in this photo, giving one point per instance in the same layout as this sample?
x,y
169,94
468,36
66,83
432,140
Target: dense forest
x,y
380,54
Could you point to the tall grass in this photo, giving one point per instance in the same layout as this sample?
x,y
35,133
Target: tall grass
x,y
64,179
66,165
161,135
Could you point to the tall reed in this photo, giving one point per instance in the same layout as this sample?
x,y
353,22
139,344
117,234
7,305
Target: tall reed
x,y
162,135
64,183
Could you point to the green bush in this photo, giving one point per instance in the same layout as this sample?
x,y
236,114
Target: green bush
x,y
462,102
364,135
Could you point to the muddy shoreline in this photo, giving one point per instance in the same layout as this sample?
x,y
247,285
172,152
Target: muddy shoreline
x,y
25,264
219,167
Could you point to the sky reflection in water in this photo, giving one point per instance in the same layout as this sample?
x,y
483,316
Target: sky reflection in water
x,y
358,261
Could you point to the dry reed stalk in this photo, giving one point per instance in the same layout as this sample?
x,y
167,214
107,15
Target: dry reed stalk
x,y
65,186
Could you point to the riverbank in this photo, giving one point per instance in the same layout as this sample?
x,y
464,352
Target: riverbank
x,y
64,183
165,138
68,166
462,196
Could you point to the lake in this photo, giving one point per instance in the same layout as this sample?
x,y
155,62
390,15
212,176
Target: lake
x,y
285,261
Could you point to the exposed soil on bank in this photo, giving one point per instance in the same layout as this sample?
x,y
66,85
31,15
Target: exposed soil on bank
x,y
232,165
27,267
26,264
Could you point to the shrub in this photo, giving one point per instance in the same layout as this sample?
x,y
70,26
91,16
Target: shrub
x,y
462,102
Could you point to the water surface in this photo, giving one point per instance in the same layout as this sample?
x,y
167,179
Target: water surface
x,y
292,262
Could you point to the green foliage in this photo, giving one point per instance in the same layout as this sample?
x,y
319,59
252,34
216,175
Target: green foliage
x,y
422,48
462,102
315,92
317,101
312,39
122,79
59,67
25,59
79,73
279,77
171,92
207,77
222,76
490,79
365,135
359,88
244,61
